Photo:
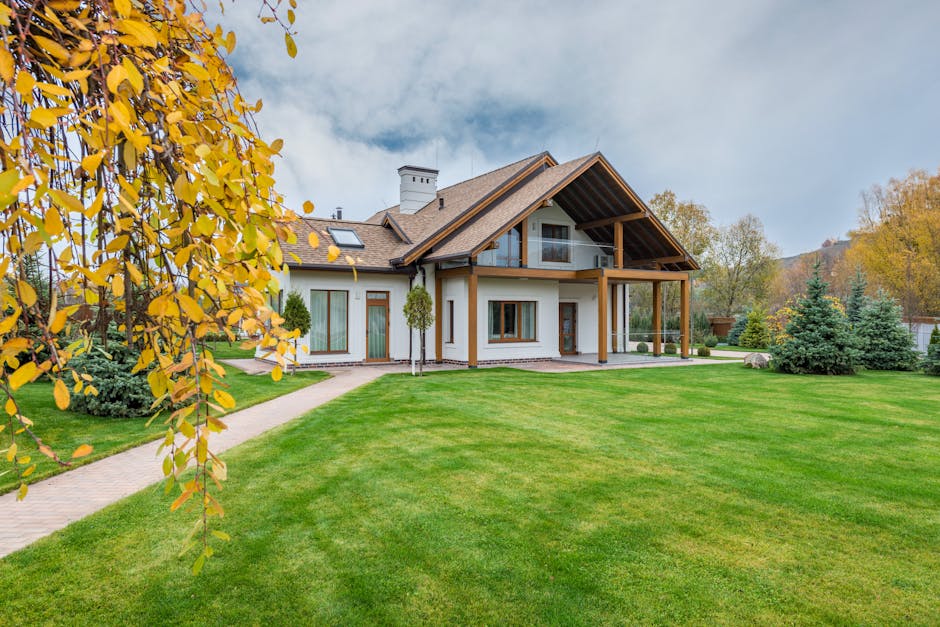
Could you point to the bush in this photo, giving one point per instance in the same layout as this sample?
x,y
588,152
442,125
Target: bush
x,y
820,341
120,393
669,348
756,334
704,351
642,348
711,341
931,363
884,342
737,329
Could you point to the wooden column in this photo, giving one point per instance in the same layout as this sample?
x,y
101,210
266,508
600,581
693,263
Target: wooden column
x,y
657,318
613,317
439,318
685,328
472,320
602,318
618,245
524,239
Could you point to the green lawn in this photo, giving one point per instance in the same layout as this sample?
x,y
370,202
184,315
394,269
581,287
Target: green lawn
x,y
65,430
705,494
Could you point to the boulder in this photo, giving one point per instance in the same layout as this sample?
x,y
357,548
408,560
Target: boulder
x,y
756,360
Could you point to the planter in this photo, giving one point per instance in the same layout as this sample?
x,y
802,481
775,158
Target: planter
x,y
721,325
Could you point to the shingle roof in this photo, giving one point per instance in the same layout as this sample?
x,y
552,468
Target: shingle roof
x,y
381,245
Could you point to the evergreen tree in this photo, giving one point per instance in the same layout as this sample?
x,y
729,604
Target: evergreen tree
x,y
820,339
935,335
296,317
737,328
419,315
931,364
884,342
857,299
756,334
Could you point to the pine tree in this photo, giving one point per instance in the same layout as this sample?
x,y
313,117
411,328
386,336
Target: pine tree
x,y
884,342
820,340
935,335
756,334
931,363
857,299
296,317
737,328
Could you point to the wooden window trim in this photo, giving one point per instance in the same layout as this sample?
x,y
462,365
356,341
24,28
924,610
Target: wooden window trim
x,y
553,227
329,297
502,339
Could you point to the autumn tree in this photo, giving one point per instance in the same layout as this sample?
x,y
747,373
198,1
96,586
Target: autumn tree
x,y
689,222
738,270
131,162
897,241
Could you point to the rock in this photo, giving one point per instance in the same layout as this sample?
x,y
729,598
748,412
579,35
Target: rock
x,y
756,360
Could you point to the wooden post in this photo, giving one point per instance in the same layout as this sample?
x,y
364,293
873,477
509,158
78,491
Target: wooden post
x,y
685,327
524,239
472,320
439,318
613,317
657,318
618,245
602,318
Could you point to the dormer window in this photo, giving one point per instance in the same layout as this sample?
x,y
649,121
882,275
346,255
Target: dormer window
x,y
346,238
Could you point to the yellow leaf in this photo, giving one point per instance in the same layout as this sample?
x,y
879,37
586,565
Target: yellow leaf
x,y
224,399
46,117
61,394
27,293
117,285
21,493
142,31
174,117
276,145
277,373
115,77
6,65
191,307
11,452
196,71
23,375
291,46
52,47
308,206
53,223
205,225
187,429
123,7
185,496
82,451
332,253
91,162
313,239
10,406
58,322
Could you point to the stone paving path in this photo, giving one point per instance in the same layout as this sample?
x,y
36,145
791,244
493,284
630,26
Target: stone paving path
x,y
55,502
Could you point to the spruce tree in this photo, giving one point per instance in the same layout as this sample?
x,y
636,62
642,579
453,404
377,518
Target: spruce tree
x,y
935,335
737,329
857,299
296,316
756,334
820,340
884,342
931,364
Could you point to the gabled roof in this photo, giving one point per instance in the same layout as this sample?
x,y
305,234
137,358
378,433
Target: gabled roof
x,y
380,245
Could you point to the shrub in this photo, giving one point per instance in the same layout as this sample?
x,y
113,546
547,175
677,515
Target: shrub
x,y
704,351
120,393
737,329
711,341
641,347
820,341
669,348
931,363
756,334
884,342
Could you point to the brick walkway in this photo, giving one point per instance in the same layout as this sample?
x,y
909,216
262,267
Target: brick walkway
x,y
54,503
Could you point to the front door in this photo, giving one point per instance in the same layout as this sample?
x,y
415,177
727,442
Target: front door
x,y
376,326
568,328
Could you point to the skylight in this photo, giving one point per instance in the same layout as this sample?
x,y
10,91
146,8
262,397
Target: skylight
x,y
346,238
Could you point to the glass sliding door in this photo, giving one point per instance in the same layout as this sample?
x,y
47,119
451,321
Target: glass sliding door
x,y
376,326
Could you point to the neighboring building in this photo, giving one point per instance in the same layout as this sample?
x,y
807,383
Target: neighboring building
x,y
526,262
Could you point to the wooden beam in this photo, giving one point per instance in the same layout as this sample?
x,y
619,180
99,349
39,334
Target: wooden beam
x,y
602,319
657,317
618,245
528,273
450,273
631,274
613,318
439,318
685,328
596,224
659,260
524,254
472,320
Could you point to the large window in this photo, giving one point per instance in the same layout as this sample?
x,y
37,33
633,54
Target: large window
x,y
328,321
556,243
512,321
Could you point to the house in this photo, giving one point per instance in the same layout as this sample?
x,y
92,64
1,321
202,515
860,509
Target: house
x,y
528,262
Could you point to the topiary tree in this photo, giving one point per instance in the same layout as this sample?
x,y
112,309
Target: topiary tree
x,y
857,299
884,342
737,328
418,315
296,318
756,334
820,340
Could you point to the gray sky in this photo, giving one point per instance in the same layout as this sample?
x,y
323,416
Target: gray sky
x,y
786,110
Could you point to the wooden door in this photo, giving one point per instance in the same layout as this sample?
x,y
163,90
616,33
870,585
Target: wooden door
x,y
376,326
568,328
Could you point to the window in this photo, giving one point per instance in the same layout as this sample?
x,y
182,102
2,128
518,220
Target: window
x,y
276,302
512,321
345,238
328,321
555,243
449,323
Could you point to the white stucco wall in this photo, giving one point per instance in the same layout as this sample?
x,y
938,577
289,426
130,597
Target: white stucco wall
x,y
545,295
583,248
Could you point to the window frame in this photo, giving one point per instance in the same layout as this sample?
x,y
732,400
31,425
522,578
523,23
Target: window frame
x,y
502,339
329,325
553,243
333,230
449,331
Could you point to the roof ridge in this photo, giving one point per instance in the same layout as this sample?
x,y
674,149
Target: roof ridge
x,y
544,153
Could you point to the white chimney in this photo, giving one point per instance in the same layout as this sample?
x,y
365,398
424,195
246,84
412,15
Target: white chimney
x,y
418,187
